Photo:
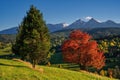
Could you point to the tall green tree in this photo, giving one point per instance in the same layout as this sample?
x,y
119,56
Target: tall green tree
x,y
33,39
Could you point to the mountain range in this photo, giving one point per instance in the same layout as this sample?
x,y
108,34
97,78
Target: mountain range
x,y
92,23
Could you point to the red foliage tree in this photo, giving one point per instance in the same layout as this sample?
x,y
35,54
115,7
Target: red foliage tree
x,y
81,49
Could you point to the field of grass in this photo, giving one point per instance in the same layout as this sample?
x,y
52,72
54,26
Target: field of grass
x,y
15,70
5,51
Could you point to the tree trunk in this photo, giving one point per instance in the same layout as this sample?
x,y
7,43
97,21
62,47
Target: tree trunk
x,y
33,64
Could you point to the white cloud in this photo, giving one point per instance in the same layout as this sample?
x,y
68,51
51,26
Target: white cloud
x,y
88,18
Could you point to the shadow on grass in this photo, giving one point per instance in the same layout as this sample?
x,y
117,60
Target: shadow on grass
x,y
8,56
70,66
1,64
76,66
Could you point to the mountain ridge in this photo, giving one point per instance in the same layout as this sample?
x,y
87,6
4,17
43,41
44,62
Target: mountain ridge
x,y
92,23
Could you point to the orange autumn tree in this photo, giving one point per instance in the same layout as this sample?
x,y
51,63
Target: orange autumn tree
x,y
81,49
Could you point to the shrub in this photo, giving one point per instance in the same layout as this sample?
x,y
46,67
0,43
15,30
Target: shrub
x,y
116,72
110,72
102,72
60,66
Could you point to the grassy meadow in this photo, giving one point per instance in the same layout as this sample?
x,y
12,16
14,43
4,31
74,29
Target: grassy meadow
x,y
16,70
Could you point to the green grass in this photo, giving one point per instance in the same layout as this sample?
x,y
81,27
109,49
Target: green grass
x,y
5,51
70,66
14,70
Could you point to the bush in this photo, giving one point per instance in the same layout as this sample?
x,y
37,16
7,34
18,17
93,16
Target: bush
x,y
48,64
111,60
116,72
110,72
102,73
60,66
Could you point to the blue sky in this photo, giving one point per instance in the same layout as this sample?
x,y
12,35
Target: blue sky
x,y
59,11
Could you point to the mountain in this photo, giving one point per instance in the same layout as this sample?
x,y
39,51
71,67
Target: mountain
x,y
56,27
51,27
92,23
9,31
96,33
110,23
77,24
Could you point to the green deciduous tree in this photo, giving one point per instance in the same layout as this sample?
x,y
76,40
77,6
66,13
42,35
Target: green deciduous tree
x,y
33,39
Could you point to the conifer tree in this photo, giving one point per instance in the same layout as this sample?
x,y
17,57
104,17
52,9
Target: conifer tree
x,y
33,39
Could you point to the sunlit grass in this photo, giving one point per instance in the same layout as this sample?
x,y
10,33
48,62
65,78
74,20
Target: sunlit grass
x,y
14,70
5,51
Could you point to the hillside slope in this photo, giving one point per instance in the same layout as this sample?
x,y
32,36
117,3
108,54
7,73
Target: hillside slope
x,y
14,70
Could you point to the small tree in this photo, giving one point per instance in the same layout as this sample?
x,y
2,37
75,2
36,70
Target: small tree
x,y
116,72
103,73
33,40
110,72
80,49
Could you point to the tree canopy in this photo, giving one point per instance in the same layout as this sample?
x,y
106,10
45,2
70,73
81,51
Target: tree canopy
x,y
81,49
33,39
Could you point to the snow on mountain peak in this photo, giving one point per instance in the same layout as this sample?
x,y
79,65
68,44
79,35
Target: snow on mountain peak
x,y
88,18
65,25
94,20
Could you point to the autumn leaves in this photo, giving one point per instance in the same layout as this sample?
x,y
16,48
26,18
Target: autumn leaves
x,y
81,49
